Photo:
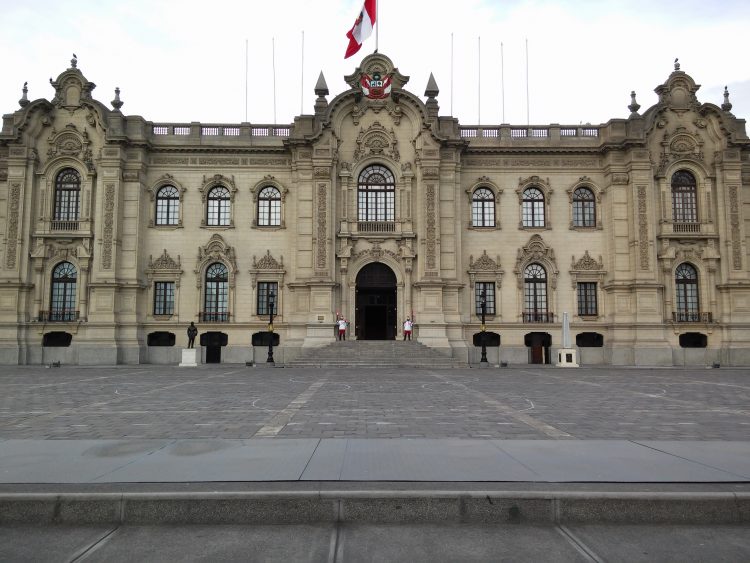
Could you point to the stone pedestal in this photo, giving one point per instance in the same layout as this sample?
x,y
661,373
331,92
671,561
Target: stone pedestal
x,y
189,357
566,358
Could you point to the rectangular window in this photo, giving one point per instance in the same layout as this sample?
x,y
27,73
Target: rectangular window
x,y
489,295
164,298
587,305
264,289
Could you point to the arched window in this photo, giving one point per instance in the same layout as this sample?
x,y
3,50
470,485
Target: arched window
x,y
167,206
376,194
584,208
216,299
269,207
686,284
218,207
535,294
62,303
533,208
684,197
483,208
67,195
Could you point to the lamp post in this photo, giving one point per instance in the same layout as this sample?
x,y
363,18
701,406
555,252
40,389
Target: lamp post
x,y
271,297
483,304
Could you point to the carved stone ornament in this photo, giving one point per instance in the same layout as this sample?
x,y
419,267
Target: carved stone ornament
x,y
164,262
620,178
216,250
376,141
217,180
72,90
536,251
587,263
485,269
484,262
680,145
268,262
376,253
72,143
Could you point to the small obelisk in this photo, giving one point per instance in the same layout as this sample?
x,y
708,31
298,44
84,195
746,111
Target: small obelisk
x,y
566,356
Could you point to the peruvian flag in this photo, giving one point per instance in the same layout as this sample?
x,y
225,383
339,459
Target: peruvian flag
x,y
362,28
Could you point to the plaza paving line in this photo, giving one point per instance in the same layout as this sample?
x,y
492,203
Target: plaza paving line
x,y
682,402
278,422
506,410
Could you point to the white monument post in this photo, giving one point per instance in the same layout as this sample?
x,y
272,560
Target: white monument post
x,y
566,356
189,358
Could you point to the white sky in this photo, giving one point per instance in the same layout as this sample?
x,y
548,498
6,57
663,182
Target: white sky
x,y
184,60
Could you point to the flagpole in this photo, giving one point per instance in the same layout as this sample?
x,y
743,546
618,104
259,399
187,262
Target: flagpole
x,y
245,80
502,78
528,112
479,80
377,25
273,65
302,79
451,73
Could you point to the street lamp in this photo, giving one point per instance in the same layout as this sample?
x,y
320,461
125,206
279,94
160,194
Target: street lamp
x,y
483,304
271,303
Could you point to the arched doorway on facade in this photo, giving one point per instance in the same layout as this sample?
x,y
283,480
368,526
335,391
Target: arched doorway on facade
x,y
375,313
538,344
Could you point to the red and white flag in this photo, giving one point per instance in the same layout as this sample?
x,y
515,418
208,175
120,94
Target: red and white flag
x,y
362,28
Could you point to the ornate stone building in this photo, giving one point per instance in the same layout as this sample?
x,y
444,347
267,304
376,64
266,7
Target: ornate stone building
x,y
117,232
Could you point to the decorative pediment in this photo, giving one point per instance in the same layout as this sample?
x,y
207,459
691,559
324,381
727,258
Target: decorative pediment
x,y
268,262
267,269
680,145
484,262
536,251
376,140
216,250
71,87
587,263
72,143
678,92
217,180
485,268
164,262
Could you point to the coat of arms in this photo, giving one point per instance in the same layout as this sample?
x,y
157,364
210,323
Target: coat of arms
x,y
375,87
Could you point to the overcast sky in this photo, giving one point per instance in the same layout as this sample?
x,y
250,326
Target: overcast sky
x,y
184,60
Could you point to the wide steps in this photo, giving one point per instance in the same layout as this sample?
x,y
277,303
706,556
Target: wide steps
x,y
374,354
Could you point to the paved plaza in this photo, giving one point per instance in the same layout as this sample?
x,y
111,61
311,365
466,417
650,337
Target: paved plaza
x,y
238,402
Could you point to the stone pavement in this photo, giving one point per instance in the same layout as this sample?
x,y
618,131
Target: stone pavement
x,y
225,463
238,402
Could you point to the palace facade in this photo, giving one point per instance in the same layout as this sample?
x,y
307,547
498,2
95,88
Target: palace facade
x,y
117,232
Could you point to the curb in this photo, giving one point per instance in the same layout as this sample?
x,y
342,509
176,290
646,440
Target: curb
x,y
413,506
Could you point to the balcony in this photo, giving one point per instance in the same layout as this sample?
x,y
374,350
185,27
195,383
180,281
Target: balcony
x,y
58,316
376,227
213,317
692,317
538,317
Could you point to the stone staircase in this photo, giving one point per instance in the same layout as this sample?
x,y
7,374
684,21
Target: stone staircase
x,y
374,354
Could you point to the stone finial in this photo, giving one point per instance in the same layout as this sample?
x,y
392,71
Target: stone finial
x,y
24,101
117,103
634,105
727,105
432,89
676,65
321,88
74,61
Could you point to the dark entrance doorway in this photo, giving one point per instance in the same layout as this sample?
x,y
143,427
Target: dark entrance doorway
x,y
213,341
375,314
538,344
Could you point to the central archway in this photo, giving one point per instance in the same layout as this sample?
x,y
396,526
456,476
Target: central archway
x,y
375,313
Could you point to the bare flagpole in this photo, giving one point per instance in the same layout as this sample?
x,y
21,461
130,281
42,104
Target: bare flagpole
x,y
502,78
377,25
302,79
479,80
451,73
245,80
273,64
528,111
